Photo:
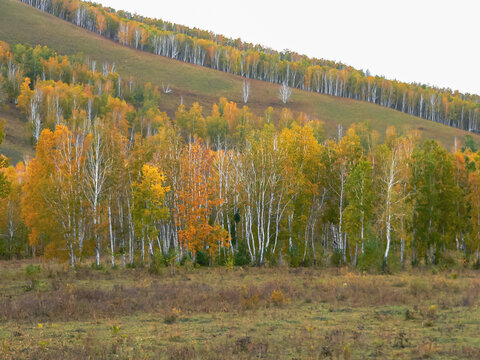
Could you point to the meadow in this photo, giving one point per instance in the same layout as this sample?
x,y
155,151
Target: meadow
x,y
49,311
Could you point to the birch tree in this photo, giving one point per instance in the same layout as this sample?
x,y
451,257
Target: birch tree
x,y
66,196
197,198
96,172
4,185
265,190
339,160
30,100
246,90
284,92
11,223
357,213
148,210
306,191
434,199
393,173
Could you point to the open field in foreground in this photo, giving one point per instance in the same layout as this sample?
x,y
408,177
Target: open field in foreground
x,y
52,312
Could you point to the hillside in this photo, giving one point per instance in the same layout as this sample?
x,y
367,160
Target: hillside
x,y
20,23
16,146
236,56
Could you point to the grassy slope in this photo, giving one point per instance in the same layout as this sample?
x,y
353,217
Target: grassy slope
x,y
16,146
21,23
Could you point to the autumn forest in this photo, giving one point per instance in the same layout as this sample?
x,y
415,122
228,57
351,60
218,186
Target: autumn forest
x,y
288,68
114,177
167,192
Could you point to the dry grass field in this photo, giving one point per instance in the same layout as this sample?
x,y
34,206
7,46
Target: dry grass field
x,y
48,311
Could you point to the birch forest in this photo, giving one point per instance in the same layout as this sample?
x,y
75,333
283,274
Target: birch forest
x,y
287,68
116,179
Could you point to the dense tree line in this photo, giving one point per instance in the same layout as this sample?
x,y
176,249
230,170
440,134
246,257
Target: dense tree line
x,y
114,177
254,61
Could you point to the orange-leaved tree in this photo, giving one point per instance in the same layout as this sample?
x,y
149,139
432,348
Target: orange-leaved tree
x,y
3,164
198,199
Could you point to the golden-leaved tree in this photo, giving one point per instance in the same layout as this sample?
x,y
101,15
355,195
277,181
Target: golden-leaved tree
x,y
53,200
148,209
3,164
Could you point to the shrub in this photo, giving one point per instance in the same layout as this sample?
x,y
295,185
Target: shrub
x,y
447,260
294,256
115,329
202,259
100,267
241,257
393,263
32,270
418,286
278,297
409,315
158,263
337,258
30,285
170,318
230,263
372,257
432,312
250,297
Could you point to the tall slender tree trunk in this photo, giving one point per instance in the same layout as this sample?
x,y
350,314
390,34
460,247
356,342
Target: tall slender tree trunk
x,y
112,241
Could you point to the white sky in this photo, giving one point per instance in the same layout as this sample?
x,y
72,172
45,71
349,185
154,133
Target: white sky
x,y
436,42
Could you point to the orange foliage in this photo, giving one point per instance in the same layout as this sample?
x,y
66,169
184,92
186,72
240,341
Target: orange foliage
x,y
197,196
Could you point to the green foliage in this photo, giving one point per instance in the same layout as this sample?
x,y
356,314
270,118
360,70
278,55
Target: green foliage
x,y
294,256
359,193
435,198
393,264
158,262
372,257
170,318
202,258
32,270
336,259
217,127
470,143
99,267
191,123
448,260
241,256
